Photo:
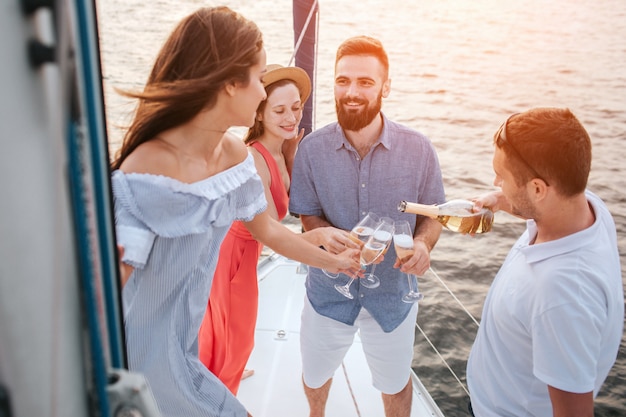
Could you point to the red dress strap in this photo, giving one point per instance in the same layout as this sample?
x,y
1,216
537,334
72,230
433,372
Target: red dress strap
x,y
277,187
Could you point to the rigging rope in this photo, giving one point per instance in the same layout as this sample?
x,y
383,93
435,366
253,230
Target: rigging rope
x,y
345,373
454,296
429,341
302,33
442,359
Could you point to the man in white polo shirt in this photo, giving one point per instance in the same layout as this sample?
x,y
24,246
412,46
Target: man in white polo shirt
x,y
553,318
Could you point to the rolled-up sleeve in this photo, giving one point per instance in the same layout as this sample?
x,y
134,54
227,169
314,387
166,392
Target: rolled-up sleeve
x,y
137,244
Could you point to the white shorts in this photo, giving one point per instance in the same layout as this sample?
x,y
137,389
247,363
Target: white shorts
x,y
324,343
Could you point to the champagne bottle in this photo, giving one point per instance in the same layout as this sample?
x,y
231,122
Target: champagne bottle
x,y
455,215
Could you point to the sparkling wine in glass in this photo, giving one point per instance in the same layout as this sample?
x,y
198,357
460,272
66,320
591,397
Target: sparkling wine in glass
x,y
383,235
361,233
403,244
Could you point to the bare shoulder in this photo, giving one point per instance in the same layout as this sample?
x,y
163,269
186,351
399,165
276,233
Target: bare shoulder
x,y
151,157
234,148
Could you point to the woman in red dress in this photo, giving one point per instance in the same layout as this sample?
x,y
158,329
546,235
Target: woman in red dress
x,y
226,336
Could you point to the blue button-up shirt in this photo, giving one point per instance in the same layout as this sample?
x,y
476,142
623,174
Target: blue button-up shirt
x,y
330,179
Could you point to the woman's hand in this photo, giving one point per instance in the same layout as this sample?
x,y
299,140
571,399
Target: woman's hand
x,y
347,262
335,240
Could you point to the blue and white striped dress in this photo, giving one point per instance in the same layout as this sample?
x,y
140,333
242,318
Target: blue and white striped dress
x,y
171,232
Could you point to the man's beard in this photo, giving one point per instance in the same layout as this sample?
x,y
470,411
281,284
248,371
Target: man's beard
x,y
355,120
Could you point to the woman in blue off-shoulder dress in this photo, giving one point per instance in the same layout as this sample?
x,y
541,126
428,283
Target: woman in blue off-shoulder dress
x,y
179,181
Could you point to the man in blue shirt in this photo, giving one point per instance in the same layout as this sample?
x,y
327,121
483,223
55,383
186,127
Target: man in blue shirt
x,y
363,163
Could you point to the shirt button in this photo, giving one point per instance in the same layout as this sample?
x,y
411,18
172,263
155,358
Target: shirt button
x,y
363,185
362,295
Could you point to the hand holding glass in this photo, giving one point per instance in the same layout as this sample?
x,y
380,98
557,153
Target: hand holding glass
x,y
371,249
404,246
360,233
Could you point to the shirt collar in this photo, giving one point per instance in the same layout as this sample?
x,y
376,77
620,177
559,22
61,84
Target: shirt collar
x,y
383,139
539,252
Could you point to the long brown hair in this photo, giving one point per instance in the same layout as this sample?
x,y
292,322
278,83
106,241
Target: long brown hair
x,y
207,50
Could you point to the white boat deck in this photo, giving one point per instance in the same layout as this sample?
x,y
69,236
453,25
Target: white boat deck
x,y
275,389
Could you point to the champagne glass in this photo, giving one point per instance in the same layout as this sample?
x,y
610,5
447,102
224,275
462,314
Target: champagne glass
x,y
362,233
383,235
403,243
365,228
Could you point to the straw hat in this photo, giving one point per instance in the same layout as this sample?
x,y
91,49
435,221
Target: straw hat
x,y
299,76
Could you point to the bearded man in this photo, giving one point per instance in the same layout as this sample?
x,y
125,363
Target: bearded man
x,y
363,163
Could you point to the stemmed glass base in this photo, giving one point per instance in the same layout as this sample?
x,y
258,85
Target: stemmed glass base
x,y
413,296
370,280
345,289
